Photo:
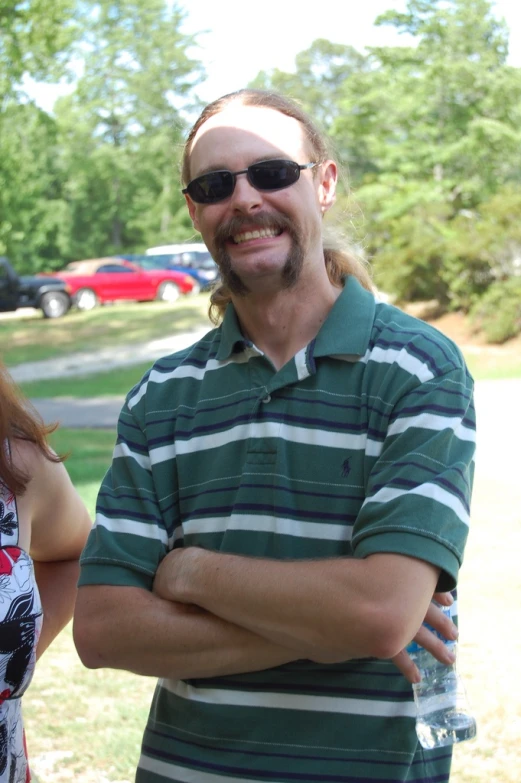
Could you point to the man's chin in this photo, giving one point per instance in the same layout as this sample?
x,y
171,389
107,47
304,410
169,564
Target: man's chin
x,y
289,273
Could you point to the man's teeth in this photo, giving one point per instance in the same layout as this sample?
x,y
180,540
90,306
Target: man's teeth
x,y
247,235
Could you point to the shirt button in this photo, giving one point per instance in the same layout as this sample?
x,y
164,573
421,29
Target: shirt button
x,y
267,398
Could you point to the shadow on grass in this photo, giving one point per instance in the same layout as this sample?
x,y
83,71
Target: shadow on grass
x,y
33,338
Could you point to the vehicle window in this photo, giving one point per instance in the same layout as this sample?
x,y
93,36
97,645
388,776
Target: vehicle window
x,y
114,268
207,263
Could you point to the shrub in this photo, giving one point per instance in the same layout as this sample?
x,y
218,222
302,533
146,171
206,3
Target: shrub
x,y
498,311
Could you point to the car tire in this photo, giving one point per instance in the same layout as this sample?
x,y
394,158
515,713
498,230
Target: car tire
x,y
54,304
86,299
196,289
168,292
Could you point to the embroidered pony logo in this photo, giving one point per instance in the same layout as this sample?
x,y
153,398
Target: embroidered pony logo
x,y
346,467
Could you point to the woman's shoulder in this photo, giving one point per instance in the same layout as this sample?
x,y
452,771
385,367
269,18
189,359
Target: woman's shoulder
x,y
28,458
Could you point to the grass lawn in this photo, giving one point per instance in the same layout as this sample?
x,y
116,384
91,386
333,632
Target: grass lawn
x,y
117,381
86,726
485,361
494,365
32,338
90,454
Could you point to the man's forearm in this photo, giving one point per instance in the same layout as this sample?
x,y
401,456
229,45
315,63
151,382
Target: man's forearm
x,y
326,609
131,629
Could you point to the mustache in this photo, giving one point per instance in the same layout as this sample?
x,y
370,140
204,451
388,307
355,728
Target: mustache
x,y
261,220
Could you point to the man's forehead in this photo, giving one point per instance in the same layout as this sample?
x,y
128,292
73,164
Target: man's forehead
x,y
247,130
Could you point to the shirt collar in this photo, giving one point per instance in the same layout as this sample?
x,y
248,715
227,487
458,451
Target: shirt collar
x,y
346,331
232,339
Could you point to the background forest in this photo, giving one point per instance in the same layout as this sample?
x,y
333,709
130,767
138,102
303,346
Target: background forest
x,y
429,135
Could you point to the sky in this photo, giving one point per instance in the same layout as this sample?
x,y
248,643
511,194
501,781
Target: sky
x,y
244,38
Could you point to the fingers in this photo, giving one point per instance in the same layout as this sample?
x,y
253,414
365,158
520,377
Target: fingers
x,y
445,599
428,639
408,668
440,622
437,647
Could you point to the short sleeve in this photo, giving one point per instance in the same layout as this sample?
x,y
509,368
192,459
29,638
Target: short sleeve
x,y
129,537
418,492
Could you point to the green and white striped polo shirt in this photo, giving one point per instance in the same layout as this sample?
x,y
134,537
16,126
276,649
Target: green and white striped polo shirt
x,y
362,443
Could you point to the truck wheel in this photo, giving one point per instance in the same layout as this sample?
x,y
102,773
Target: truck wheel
x,y
54,304
168,292
86,299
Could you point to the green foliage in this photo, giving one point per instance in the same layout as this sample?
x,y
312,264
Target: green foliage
x,y
30,190
321,72
430,133
101,177
35,37
121,129
498,312
439,130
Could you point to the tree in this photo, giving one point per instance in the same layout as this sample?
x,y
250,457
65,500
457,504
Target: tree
x,y
35,39
321,72
30,187
437,129
122,127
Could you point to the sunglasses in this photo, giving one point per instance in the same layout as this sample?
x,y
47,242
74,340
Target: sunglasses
x,y
267,175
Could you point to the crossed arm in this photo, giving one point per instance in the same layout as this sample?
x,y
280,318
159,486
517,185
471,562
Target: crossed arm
x,y
213,614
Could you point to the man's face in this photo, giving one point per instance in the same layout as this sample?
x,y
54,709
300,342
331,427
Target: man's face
x,y
260,239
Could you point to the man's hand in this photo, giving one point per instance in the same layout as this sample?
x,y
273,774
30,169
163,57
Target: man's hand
x,y
425,638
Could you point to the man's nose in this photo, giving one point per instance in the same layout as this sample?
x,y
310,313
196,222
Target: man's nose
x,y
245,197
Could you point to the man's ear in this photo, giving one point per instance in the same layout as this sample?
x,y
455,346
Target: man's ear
x,y
192,211
327,185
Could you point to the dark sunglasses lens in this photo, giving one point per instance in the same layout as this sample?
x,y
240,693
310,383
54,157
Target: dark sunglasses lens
x,y
212,187
274,174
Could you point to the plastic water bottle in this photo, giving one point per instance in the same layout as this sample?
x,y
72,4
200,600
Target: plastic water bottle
x,y
443,715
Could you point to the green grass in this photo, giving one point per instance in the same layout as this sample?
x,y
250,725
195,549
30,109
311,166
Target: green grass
x,y
33,338
84,726
116,381
498,367
90,454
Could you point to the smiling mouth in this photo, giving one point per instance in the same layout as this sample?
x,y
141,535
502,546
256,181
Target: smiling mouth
x,y
261,233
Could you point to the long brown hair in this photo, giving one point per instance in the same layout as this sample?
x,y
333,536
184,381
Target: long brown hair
x,y
18,419
340,258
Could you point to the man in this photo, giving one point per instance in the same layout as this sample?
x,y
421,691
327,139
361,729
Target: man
x,y
286,495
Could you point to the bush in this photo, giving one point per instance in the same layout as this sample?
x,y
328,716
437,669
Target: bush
x,y
498,312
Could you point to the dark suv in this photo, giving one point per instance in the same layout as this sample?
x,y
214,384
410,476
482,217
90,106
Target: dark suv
x,y
48,294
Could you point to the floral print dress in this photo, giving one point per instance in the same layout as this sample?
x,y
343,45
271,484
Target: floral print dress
x,y
21,620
